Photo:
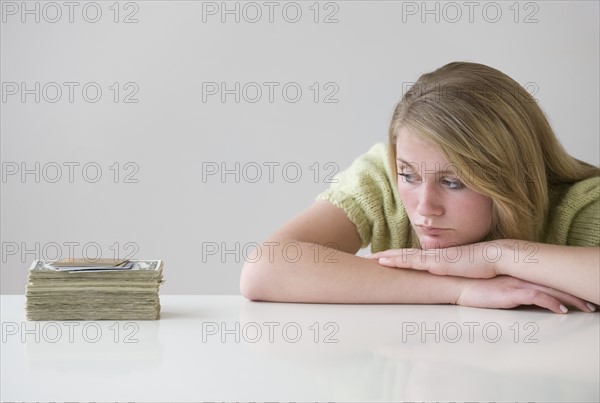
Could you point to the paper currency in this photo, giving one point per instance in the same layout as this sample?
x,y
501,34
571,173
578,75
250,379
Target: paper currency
x,y
78,290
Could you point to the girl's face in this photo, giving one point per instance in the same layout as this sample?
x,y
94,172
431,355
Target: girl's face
x,y
442,211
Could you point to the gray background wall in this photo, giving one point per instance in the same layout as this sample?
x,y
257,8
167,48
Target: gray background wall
x,y
162,134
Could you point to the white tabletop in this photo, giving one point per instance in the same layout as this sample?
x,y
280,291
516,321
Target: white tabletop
x,y
227,348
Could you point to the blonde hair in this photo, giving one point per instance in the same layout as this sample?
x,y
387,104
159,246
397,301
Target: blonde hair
x,y
493,129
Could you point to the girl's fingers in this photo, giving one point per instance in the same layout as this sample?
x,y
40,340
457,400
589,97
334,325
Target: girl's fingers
x,y
552,299
539,298
391,253
567,299
402,262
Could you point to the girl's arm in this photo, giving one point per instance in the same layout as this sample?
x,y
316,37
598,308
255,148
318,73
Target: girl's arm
x,y
571,269
312,259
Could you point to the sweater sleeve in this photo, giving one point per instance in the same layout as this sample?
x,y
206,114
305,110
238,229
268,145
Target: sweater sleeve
x,y
367,193
575,221
585,230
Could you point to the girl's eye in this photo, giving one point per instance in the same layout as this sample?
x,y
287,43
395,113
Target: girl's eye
x,y
407,177
452,184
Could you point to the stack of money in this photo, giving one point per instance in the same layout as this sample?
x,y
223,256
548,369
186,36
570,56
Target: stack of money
x,y
78,289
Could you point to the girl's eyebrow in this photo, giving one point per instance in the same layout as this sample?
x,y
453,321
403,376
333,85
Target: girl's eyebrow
x,y
404,162
449,170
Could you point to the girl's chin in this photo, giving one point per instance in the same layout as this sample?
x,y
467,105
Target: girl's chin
x,y
432,242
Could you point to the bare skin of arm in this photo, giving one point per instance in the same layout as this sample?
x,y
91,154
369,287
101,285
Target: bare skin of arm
x,y
311,259
571,269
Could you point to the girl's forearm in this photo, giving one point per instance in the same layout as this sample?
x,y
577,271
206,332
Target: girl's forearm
x,y
574,270
311,273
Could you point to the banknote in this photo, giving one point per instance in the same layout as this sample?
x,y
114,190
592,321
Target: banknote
x,y
39,265
87,262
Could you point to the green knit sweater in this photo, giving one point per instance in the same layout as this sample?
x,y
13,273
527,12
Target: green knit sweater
x,y
367,193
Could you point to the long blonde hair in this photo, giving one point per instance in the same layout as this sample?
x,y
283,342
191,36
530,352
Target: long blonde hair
x,y
488,124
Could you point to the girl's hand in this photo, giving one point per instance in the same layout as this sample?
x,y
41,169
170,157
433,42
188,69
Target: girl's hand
x,y
476,260
509,292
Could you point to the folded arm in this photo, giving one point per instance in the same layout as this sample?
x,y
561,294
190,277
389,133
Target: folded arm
x,y
571,269
312,259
